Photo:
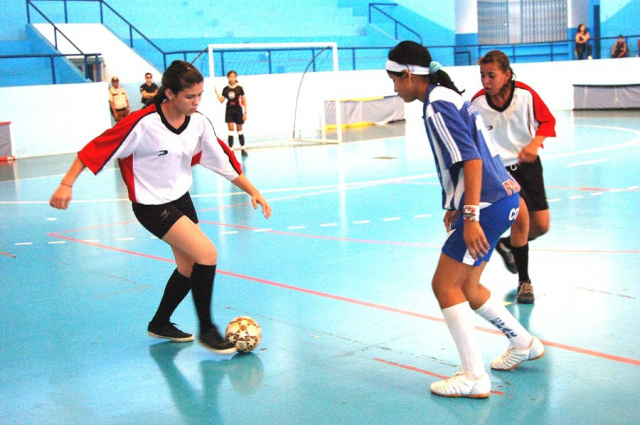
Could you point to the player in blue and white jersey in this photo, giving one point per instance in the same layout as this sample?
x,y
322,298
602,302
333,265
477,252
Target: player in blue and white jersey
x,y
156,148
481,202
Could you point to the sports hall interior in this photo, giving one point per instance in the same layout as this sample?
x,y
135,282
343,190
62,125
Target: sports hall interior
x,y
339,278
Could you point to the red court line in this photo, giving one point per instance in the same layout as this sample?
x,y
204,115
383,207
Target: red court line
x,y
425,372
125,251
358,302
6,253
592,189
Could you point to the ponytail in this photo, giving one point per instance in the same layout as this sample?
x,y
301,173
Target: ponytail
x,y
412,53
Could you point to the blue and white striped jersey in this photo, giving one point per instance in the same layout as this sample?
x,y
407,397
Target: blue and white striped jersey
x,y
457,134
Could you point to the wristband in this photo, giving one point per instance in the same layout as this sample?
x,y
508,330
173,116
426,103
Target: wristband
x,y
471,213
66,184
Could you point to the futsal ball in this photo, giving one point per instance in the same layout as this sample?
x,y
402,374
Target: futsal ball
x,y
244,332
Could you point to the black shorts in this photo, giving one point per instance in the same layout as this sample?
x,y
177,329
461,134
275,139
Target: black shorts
x,y
529,177
233,115
158,219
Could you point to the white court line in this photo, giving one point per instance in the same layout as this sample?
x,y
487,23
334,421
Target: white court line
x,y
392,219
56,242
229,232
328,224
262,230
296,227
361,222
595,161
330,187
576,197
125,239
554,200
23,243
597,194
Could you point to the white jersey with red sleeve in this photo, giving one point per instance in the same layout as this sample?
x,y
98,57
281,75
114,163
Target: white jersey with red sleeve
x,y
155,159
513,126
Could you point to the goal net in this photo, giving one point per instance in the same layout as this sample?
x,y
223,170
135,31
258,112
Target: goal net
x,y
291,91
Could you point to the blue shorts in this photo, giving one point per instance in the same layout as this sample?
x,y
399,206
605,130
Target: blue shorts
x,y
494,220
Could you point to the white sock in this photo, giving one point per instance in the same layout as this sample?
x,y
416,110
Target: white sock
x,y
459,319
497,314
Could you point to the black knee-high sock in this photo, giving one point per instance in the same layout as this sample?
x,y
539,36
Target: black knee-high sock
x,y
177,288
230,138
241,139
521,257
202,289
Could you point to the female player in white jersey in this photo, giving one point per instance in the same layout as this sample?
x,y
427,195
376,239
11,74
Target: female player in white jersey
x,y
156,148
481,201
519,122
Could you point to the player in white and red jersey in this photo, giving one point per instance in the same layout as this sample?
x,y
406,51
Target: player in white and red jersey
x,y
481,202
519,122
156,148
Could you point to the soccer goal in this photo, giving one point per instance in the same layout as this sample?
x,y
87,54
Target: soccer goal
x,y
292,90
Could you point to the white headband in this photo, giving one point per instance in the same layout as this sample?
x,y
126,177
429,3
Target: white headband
x,y
413,69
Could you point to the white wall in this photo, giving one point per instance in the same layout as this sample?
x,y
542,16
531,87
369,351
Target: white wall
x,y
62,118
54,119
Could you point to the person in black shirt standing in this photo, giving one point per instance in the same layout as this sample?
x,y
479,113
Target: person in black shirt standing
x,y
148,90
236,113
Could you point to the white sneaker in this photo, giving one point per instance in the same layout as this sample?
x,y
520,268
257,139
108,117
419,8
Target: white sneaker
x,y
461,386
512,358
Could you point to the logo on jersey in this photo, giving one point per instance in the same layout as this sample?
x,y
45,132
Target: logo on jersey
x,y
511,186
232,95
162,152
164,215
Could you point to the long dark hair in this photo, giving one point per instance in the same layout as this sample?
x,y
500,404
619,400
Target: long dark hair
x,y
178,76
412,53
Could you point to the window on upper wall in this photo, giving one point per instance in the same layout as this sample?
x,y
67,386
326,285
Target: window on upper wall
x,y
521,21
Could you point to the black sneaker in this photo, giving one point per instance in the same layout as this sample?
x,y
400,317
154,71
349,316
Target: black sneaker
x,y
507,257
244,153
212,340
168,331
525,293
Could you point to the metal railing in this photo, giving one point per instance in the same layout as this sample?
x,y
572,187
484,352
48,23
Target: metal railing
x,y
396,23
56,30
102,4
351,58
88,74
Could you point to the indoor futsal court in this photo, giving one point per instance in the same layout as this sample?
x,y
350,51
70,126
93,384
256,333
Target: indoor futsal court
x,y
339,280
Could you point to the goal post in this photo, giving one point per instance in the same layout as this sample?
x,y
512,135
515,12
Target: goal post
x,y
290,88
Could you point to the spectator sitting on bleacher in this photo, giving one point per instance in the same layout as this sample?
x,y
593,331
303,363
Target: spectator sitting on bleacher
x,y
582,42
619,50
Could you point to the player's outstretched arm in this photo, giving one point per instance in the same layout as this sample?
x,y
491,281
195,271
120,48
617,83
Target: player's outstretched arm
x,y
220,98
63,194
256,197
